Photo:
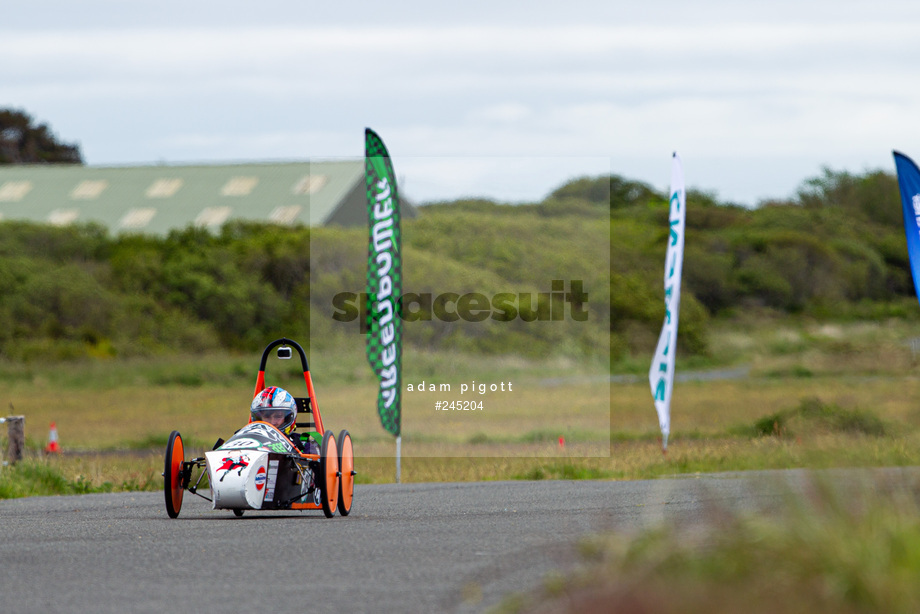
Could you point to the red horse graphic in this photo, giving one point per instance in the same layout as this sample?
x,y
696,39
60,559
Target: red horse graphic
x,y
231,463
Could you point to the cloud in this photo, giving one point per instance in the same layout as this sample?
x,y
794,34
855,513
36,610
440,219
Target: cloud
x,y
717,82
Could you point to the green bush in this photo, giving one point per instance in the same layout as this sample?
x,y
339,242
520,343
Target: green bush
x,y
837,249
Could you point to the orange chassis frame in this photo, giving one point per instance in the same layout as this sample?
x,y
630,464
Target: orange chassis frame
x,y
309,404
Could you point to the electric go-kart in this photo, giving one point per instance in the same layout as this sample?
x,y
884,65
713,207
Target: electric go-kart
x,y
261,468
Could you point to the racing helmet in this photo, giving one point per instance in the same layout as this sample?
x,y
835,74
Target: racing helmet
x,y
277,407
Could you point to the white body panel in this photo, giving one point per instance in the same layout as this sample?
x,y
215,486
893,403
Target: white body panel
x,y
239,478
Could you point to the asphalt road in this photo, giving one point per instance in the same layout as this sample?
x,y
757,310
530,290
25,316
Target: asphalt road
x,y
405,548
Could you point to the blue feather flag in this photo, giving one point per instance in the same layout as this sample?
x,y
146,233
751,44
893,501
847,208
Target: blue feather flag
x,y
909,182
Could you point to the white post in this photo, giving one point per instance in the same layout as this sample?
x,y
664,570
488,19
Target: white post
x,y
398,457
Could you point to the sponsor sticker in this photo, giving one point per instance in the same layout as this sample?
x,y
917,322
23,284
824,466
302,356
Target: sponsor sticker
x,y
272,477
260,478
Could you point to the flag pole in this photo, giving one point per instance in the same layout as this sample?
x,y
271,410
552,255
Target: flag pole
x,y
398,456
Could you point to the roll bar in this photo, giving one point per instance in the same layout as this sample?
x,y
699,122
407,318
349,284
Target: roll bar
x,y
311,396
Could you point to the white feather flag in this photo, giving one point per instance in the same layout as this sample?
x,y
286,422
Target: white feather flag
x,y
661,373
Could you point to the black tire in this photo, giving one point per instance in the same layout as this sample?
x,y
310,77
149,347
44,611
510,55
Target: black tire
x,y
238,513
347,473
329,470
172,474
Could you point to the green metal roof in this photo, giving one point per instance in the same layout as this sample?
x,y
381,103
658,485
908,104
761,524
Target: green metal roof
x,y
157,199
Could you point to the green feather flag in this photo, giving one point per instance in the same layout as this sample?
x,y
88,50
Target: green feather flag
x,y
384,280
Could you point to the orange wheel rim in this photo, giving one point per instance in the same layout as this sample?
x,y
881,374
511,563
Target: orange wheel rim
x,y
348,480
332,468
178,455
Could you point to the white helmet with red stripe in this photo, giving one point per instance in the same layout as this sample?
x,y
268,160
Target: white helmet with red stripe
x,y
277,407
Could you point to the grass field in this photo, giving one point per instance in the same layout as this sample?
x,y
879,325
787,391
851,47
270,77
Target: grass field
x,y
815,395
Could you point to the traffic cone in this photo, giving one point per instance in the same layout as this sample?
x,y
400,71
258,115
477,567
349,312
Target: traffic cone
x,y
53,447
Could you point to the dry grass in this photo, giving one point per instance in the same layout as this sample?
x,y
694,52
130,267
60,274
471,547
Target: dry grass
x,y
518,440
610,430
531,415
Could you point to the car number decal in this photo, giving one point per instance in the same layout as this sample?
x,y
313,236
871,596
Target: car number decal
x,y
241,443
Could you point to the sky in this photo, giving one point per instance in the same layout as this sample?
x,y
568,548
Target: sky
x,y
480,98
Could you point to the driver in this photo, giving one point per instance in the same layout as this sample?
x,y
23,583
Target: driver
x,y
277,407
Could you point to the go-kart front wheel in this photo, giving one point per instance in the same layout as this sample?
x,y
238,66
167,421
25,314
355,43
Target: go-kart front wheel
x,y
172,474
329,474
347,473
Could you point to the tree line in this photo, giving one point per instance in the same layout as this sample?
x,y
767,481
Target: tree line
x,y
22,141
836,250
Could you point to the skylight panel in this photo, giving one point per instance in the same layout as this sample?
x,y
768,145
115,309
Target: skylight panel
x,y
138,218
239,186
14,191
163,188
63,217
309,184
285,215
89,189
212,216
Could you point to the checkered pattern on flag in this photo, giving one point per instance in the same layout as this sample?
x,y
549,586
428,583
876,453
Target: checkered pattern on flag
x,y
384,280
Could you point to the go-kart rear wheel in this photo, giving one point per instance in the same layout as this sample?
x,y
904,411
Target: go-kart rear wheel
x,y
329,474
172,474
347,471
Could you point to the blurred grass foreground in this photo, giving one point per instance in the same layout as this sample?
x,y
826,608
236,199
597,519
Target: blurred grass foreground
x,y
830,547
